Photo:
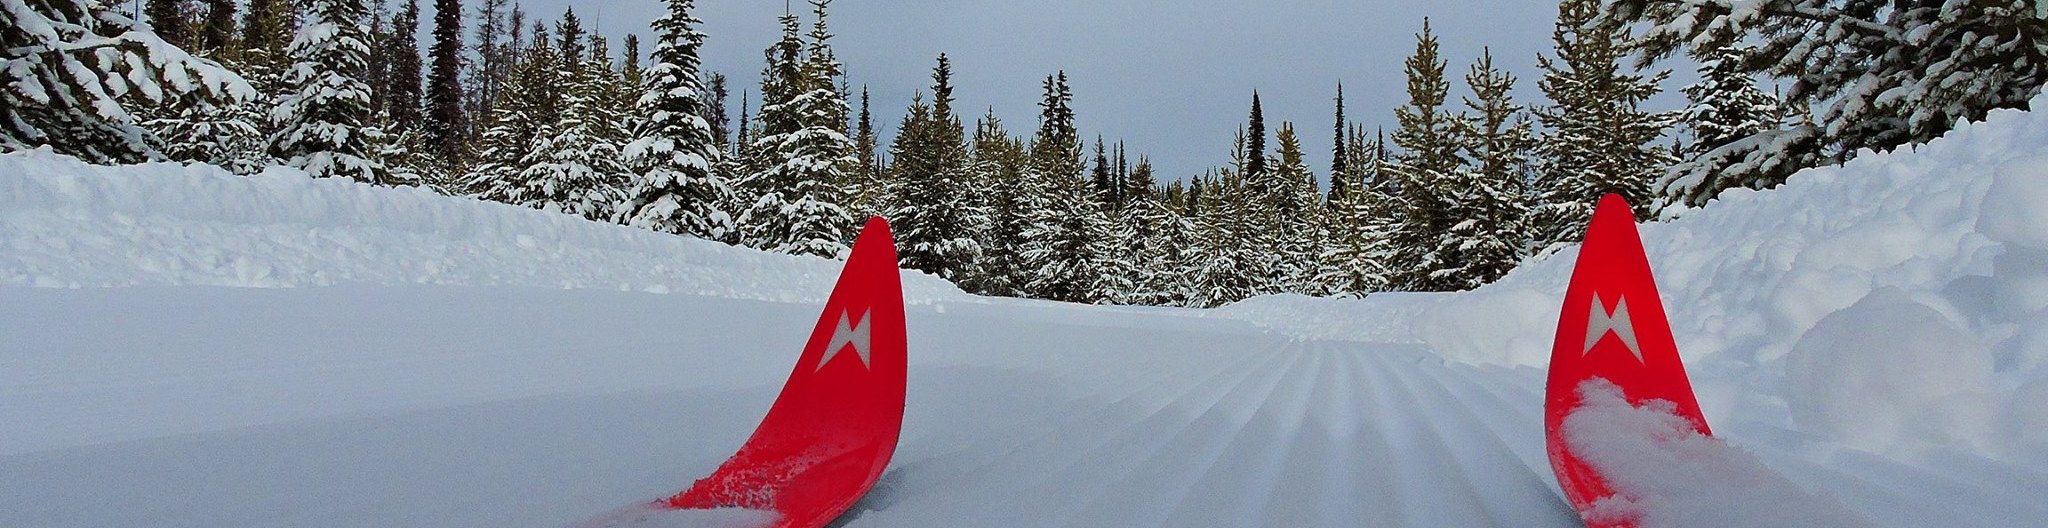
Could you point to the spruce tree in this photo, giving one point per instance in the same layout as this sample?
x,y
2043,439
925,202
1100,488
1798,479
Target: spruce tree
x,y
1000,163
228,134
1066,233
1726,112
676,156
1255,160
446,124
868,183
931,205
573,165
1340,156
267,29
323,117
1598,139
519,119
803,154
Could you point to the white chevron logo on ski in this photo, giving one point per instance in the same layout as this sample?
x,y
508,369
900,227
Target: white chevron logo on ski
x,y
1603,322
848,334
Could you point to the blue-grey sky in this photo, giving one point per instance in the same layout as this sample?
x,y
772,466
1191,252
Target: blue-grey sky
x,y
1172,78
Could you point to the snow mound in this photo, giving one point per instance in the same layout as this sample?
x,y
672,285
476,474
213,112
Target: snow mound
x,y
67,224
1890,369
1667,475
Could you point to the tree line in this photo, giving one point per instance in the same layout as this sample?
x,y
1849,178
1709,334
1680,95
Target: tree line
x,y
544,114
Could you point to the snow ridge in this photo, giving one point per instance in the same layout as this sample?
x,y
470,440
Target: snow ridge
x,y
66,224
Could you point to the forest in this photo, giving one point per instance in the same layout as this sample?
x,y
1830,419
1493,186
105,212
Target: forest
x,y
534,110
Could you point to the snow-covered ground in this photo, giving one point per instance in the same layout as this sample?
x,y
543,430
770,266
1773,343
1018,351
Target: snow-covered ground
x,y
183,347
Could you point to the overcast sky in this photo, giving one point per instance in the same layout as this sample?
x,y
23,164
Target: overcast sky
x,y
1172,78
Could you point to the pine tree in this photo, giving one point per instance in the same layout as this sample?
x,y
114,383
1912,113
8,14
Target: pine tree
x,y
931,204
1425,171
1488,238
1598,140
446,124
1878,73
322,119
1727,110
675,153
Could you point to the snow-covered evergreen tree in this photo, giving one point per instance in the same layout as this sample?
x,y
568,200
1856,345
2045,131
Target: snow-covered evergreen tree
x,y
1488,237
1296,220
931,206
1727,109
679,190
572,166
446,131
1877,73
323,118
1598,140
999,163
69,69
1427,171
522,116
803,154
1356,256
1065,234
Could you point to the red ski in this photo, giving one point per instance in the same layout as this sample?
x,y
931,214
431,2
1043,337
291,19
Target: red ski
x,y
1613,328
832,430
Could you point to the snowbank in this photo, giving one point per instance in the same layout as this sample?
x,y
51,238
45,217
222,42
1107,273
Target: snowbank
x,y
1956,227
66,224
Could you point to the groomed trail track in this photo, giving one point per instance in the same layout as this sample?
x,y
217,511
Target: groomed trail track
x,y
550,406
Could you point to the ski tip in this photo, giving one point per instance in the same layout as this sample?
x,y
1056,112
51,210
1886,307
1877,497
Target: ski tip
x,y
875,239
1612,205
875,225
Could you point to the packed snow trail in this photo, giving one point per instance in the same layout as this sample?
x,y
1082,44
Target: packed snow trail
x,y
183,347
1020,414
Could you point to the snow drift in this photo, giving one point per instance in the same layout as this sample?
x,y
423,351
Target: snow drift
x,y
68,224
